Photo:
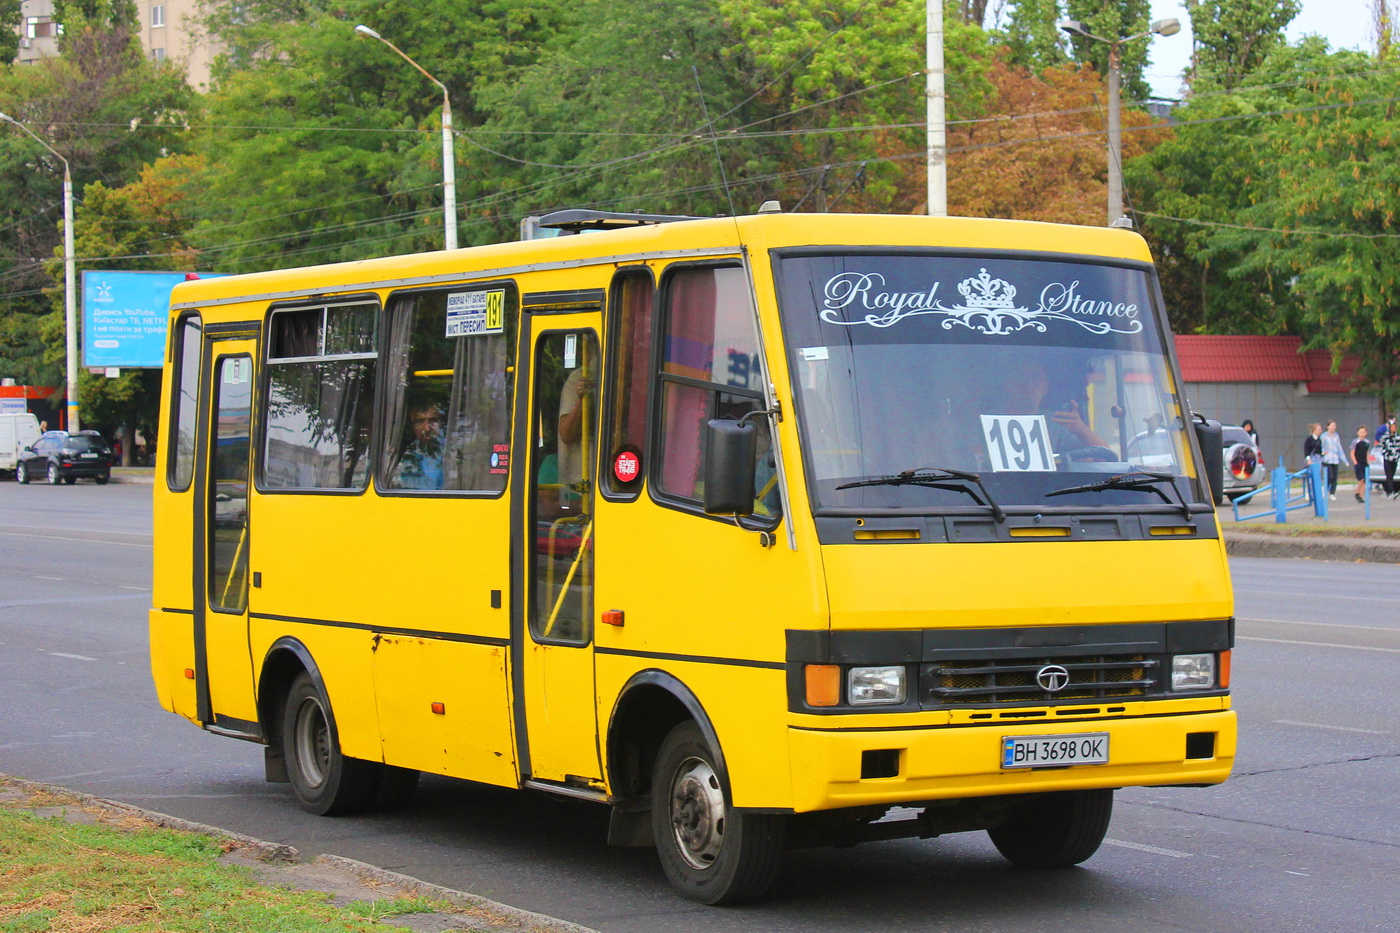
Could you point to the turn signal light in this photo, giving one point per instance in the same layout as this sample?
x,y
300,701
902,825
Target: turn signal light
x,y
1224,674
823,684
189,673
439,709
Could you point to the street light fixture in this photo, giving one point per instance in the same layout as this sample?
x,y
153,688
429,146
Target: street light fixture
x,y
70,291
1162,27
449,166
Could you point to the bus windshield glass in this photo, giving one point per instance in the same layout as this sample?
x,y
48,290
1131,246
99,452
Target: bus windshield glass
x,y
1040,377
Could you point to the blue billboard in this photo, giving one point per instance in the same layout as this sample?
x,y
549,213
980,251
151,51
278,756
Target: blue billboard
x,y
124,317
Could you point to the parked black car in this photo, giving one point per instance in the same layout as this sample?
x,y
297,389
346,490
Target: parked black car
x,y
62,457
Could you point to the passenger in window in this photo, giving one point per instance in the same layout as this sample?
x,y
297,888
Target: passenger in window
x,y
420,467
575,414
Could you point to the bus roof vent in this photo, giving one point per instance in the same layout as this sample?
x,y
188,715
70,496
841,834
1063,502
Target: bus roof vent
x,y
576,220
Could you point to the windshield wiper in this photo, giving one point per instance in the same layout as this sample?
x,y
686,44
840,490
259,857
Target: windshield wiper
x,y
936,478
1146,480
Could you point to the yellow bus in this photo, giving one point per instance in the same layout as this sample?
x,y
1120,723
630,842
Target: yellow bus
x,y
765,531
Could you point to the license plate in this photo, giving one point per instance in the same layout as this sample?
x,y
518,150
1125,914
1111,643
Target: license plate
x,y
1054,751
88,456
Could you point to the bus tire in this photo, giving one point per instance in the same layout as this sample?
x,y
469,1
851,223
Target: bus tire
x,y
1055,830
326,782
711,853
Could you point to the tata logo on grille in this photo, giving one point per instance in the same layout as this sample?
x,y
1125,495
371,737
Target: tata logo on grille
x,y
1052,678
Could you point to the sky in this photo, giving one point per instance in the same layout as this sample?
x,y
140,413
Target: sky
x,y
1344,23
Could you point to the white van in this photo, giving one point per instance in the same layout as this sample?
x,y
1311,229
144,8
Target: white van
x,y
18,429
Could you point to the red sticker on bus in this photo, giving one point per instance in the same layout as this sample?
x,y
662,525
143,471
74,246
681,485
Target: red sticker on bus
x,y
627,466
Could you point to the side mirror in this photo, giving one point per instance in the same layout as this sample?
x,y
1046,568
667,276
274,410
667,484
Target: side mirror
x,y
1208,437
729,467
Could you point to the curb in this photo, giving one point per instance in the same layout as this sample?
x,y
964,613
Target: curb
x,y
264,851
1319,547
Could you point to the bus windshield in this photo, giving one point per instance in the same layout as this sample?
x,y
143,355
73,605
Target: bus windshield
x,y
1041,377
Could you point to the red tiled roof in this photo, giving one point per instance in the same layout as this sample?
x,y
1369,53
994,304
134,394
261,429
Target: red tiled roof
x,y
1213,358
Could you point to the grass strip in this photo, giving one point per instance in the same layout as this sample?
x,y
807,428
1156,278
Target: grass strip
x,y
59,875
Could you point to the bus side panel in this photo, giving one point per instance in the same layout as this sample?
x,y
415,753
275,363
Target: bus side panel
x,y
448,704
371,575
693,587
172,653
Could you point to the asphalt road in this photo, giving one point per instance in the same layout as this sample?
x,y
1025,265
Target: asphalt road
x,y
1305,836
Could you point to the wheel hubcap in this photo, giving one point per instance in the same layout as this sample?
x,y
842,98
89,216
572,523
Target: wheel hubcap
x,y
697,813
311,741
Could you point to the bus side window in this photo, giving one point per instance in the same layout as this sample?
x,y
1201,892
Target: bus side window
x,y
321,367
630,352
711,367
447,390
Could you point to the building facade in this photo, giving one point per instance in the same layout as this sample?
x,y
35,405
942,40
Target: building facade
x,y
1276,384
168,29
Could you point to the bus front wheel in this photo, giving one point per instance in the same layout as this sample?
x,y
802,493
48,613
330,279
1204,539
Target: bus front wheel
x,y
710,852
325,781
1055,830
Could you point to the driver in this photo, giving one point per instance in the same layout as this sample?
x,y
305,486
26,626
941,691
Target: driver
x,y
1026,396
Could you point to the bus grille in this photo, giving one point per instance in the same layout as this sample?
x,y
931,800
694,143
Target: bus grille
x,y
955,683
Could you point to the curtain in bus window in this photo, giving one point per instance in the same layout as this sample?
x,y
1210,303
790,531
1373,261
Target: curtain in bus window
x,y
710,347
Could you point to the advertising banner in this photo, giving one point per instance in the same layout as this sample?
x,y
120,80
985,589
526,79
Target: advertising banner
x,y
124,317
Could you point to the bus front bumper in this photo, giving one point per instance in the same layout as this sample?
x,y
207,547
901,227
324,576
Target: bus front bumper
x,y
835,768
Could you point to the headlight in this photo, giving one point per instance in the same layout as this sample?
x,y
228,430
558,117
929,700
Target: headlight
x,y
1193,671
875,686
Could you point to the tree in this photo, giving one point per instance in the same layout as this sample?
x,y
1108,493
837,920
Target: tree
x,y
108,111
1114,20
9,31
324,146
1233,37
1291,220
1042,157
1032,35
137,227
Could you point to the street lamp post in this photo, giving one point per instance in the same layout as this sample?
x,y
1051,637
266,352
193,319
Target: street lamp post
x,y
449,162
1162,27
70,291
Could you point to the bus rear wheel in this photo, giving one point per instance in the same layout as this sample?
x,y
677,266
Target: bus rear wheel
x,y
1055,830
711,853
325,781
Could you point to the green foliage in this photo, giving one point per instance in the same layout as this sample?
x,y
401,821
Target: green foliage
x,y
1032,35
108,111
1295,198
9,31
1114,21
1233,37
327,146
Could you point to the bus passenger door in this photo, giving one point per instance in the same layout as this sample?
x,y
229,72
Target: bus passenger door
x,y
556,707
223,667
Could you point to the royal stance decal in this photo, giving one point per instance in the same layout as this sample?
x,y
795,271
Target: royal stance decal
x,y
989,306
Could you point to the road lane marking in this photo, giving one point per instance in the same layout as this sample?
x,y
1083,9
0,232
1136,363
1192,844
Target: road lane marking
x,y
75,657
1138,846
12,534
96,531
1315,644
1364,628
1322,725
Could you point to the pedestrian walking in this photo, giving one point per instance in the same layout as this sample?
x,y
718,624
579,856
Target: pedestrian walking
x,y
1390,458
1248,425
1312,452
1332,457
1360,460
